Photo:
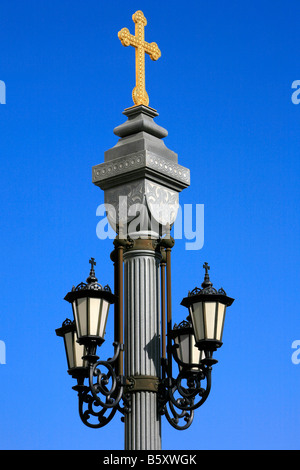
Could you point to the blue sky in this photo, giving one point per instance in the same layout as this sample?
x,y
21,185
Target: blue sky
x,y
223,91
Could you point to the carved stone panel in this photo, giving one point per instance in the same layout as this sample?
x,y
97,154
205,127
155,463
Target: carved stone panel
x,y
141,208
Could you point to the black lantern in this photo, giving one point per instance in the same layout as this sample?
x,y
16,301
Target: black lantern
x,y
77,366
103,390
187,352
207,307
90,302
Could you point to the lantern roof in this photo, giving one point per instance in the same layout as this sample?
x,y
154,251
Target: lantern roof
x,y
207,290
90,288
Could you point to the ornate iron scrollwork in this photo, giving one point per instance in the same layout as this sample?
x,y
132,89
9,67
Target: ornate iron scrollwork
x,y
101,398
207,290
178,398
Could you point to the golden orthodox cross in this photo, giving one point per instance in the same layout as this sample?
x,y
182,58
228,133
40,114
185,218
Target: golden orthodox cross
x,y
139,94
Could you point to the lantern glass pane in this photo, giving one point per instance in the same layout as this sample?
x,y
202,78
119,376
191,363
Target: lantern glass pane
x,y
196,311
184,348
74,308
69,345
90,314
74,350
94,313
220,321
188,352
79,352
196,355
81,317
103,318
210,319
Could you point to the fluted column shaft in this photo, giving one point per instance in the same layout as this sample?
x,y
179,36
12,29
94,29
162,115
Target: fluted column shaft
x,y
142,345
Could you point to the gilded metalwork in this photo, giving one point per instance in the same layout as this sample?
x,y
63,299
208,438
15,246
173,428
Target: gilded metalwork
x,y
139,94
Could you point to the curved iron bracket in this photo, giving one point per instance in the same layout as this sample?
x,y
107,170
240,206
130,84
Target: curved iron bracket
x,y
103,395
180,397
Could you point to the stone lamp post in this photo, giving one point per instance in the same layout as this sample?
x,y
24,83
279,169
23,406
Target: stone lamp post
x,y
141,179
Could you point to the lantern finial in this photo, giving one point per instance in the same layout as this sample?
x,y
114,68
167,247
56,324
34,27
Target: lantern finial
x,y
92,276
206,282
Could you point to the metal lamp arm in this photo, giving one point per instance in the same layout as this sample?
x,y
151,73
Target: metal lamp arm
x,y
188,395
113,394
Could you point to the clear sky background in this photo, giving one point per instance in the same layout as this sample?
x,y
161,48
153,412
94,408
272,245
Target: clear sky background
x,y
223,91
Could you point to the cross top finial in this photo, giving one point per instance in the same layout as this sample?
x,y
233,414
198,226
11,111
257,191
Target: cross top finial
x,y
92,263
139,94
207,282
206,267
92,276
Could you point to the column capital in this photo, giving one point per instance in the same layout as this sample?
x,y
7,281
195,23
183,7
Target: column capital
x,y
141,177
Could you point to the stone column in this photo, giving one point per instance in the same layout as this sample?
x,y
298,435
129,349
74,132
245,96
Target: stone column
x,y
141,180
